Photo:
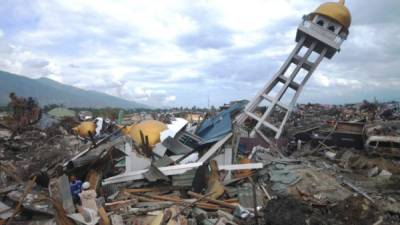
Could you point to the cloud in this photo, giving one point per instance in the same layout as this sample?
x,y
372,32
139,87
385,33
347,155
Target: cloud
x,y
177,52
170,98
332,82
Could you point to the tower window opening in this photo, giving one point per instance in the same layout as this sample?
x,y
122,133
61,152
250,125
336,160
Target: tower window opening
x,y
331,28
321,23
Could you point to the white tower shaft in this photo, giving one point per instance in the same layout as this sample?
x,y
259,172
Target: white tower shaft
x,y
288,82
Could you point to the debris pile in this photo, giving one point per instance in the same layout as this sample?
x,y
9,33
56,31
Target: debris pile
x,y
248,163
212,172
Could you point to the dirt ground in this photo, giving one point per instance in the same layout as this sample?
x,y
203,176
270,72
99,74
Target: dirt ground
x,y
351,211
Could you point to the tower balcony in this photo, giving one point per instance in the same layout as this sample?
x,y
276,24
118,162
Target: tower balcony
x,y
324,37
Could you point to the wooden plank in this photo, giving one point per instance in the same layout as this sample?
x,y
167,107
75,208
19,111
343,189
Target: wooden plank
x,y
364,194
182,201
104,220
94,178
241,166
60,215
164,198
110,205
192,204
21,200
154,189
221,203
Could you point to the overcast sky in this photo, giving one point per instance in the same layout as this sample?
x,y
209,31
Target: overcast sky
x,y
177,53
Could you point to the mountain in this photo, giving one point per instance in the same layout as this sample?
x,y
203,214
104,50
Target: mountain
x,y
48,91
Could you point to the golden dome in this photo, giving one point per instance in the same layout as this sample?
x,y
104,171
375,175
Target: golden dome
x,y
336,11
150,128
84,128
125,130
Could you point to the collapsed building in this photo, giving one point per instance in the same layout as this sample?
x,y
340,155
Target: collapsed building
x,y
251,163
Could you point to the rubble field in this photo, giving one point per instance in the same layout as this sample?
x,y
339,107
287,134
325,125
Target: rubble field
x,y
332,165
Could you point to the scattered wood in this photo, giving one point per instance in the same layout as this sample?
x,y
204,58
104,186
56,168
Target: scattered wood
x,y
218,202
265,191
192,204
178,200
60,214
154,189
359,191
104,220
11,173
59,189
112,206
94,178
21,200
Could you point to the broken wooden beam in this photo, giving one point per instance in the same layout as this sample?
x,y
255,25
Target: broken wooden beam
x,y
192,204
178,200
154,189
218,202
21,200
359,191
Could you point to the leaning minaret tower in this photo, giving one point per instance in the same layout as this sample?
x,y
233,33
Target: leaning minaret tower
x,y
319,36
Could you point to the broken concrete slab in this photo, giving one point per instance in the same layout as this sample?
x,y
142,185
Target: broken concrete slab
x,y
215,148
59,189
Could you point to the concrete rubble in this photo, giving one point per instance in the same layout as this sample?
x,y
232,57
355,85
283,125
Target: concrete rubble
x,y
322,170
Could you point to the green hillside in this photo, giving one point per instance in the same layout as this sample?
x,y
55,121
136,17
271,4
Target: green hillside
x,y
48,91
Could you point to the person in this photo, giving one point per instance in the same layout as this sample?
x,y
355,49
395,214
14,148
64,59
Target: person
x,y
104,126
94,130
99,126
88,197
76,188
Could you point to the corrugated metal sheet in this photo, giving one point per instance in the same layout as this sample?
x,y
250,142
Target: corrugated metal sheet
x,y
215,128
184,180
